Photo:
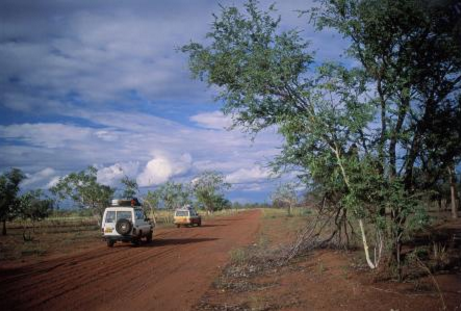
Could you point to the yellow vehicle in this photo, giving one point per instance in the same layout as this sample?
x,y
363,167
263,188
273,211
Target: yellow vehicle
x,y
187,216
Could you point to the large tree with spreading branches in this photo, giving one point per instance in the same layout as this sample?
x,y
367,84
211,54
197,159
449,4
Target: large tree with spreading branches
x,y
358,133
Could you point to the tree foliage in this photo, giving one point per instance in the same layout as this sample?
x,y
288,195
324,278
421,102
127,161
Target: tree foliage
x,y
208,189
360,133
285,196
151,202
153,198
258,70
34,205
174,195
130,187
411,52
83,188
9,200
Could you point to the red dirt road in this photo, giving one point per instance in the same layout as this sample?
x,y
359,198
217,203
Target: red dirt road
x,y
171,273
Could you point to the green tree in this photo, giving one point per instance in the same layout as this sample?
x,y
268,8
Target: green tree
x,y
9,189
237,205
265,80
411,54
82,188
34,206
208,189
175,195
221,203
358,133
153,198
285,196
441,152
152,202
130,187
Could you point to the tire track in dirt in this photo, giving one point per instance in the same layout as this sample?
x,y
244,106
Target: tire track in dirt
x,y
80,274
171,273
72,268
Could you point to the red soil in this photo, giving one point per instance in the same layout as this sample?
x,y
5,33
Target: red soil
x,y
331,280
171,273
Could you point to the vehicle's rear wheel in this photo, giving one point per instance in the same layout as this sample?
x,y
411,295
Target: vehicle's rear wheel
x,y
199,223
110,243
123,226
177,226
149,237
135,242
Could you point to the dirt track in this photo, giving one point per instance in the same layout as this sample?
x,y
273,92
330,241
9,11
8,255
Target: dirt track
x,y
171,273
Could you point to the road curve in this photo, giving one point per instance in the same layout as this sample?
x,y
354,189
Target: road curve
x,y
171,273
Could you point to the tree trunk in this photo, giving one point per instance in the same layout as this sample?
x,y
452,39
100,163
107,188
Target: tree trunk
x,y
454,212
345,232
398,249
445,204
4,227
459,201
365,245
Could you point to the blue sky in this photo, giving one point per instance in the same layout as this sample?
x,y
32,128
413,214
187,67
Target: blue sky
x,y
100,83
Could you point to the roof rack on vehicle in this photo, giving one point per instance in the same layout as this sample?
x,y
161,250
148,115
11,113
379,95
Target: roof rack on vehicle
x,y
126,202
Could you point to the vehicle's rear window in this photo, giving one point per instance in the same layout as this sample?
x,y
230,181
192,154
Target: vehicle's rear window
x,y
139,214
123,215
110,216
182,213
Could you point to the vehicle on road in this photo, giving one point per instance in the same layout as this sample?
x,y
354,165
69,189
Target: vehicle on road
x,y
187,216
125,221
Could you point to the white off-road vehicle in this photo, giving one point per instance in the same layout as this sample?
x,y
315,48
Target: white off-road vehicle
x,y
125,221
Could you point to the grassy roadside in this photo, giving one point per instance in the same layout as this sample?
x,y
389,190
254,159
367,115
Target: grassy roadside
x,y
253,270
324,279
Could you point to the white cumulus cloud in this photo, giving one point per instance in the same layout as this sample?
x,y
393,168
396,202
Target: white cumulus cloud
x,y
52,182
39,177
246,175
111,175
162,167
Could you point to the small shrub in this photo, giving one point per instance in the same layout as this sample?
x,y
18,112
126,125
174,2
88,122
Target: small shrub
x,y
237,256
258,303
263,241
439,256
421,252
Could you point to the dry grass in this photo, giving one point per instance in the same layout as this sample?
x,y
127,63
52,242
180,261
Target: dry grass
x,y
250,282
237,256
47,240
247,265
278,213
